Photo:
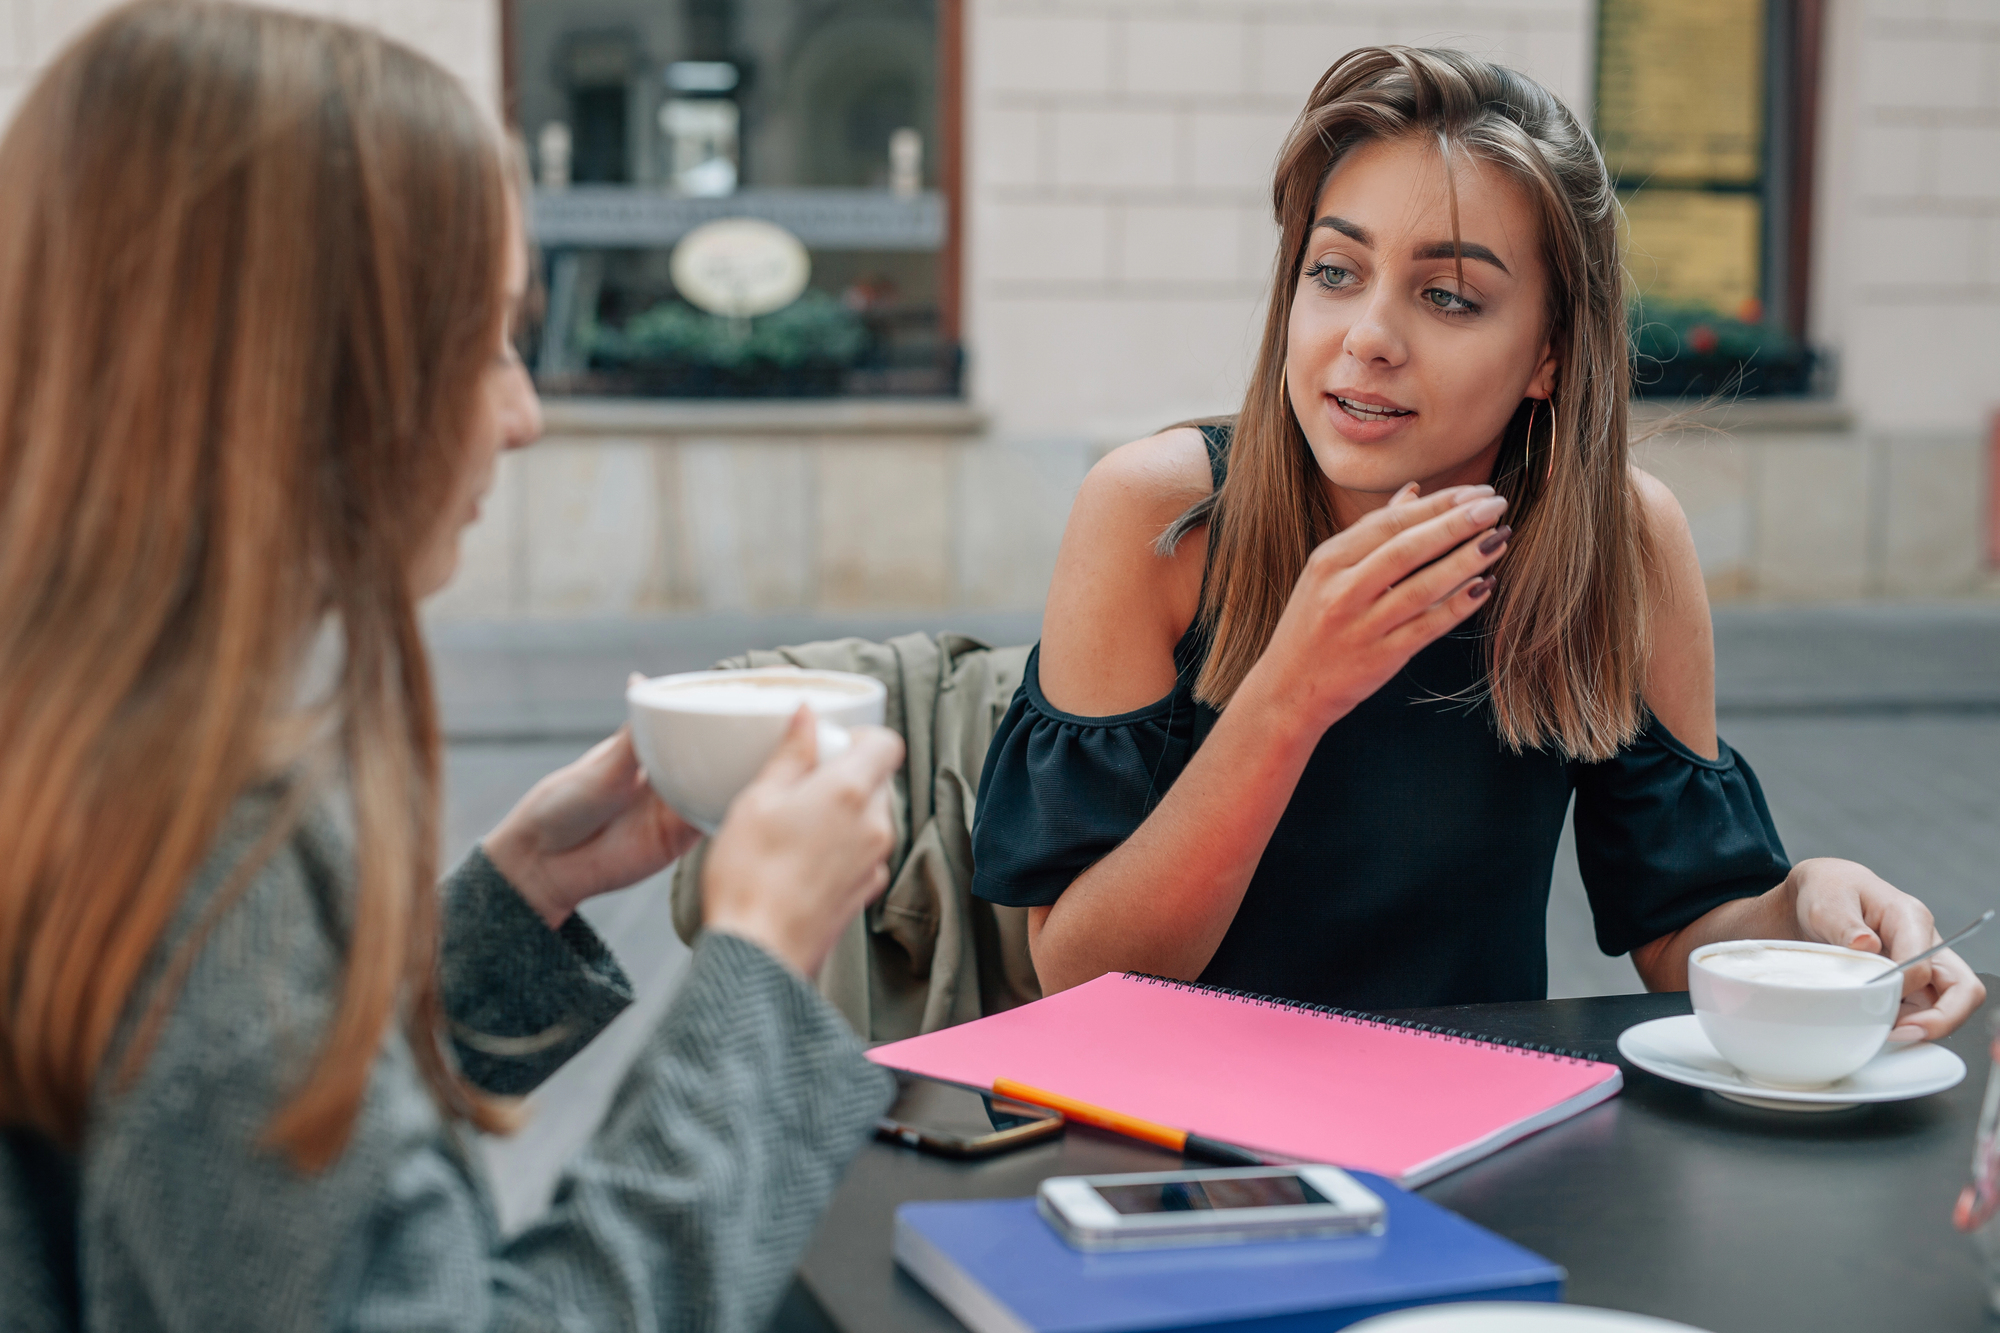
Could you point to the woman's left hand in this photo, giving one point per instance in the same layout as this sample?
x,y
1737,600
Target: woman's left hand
x,y
1839,902
588,828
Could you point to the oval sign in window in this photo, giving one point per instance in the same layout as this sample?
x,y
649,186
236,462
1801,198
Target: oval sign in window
x,y
740,267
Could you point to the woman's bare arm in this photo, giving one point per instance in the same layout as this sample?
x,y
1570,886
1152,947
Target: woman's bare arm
x,y
1369,600
1680,671
1835,901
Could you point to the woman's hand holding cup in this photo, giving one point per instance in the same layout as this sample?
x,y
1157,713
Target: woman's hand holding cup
x,y
1840,902
585,829
805,846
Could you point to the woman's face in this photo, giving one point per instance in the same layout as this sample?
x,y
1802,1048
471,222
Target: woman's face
x,y
1398,371
506,415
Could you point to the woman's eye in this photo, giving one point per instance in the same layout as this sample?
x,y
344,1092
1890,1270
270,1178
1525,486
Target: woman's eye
x,y
1451,303
1330,276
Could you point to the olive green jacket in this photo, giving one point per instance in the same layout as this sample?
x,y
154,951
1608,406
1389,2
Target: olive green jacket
x,y
927,954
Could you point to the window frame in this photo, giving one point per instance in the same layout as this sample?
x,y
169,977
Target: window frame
x,y
950,153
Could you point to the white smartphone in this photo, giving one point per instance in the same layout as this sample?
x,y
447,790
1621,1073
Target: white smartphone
x,y
1238,1203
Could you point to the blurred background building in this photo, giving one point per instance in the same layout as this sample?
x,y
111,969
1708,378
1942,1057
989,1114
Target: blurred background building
x,y
1033,229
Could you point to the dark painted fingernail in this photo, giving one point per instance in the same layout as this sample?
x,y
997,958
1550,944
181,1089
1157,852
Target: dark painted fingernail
x,y
1497,540
1482,587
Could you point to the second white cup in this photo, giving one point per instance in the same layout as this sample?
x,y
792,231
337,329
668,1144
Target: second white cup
x,y
1784,1034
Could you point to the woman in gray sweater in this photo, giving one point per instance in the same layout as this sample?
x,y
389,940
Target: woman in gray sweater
x,y
256,275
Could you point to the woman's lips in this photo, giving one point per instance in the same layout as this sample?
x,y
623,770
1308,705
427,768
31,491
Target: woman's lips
x,y
1364,419
1369,409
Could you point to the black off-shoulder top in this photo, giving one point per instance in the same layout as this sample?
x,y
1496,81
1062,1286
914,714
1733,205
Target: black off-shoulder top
x,y
1412,866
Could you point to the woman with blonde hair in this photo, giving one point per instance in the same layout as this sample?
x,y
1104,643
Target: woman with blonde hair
x,y
1318,684
256,273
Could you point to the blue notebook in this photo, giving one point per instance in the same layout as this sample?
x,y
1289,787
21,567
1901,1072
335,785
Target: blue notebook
x,y
1001,1269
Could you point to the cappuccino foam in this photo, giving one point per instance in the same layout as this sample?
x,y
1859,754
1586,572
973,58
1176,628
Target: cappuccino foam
x,y
1795,967
755,696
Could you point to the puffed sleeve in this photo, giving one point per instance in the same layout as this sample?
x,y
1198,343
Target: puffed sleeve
x,y
1060,792
1663,836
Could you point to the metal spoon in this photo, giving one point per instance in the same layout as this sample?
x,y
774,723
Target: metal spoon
x,y
1986,916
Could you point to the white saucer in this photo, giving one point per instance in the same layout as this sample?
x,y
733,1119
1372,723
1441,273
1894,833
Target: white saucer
x,y
1678,1049
1515,1317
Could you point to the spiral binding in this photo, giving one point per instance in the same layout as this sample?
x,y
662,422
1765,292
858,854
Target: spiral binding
x,y
1367,1019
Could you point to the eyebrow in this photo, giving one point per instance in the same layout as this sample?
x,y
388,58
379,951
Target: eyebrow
x,y
1463,250
1435,250
1353,230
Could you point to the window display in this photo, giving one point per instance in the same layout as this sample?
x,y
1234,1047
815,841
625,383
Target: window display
x,y
810,126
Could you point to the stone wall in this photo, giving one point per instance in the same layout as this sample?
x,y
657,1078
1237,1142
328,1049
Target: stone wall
x,y
633,510
1907,287
1118,245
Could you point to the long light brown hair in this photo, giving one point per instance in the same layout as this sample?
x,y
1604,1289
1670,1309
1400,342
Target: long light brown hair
x,y
251,272
1568,620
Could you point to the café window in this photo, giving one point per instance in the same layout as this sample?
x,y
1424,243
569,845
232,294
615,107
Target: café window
x,y
1704,116
740,198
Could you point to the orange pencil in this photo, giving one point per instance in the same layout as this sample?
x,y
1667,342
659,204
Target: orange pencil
x,y
1131,1126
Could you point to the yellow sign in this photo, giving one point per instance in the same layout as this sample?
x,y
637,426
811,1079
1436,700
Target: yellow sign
x,y
1680,90
1690,247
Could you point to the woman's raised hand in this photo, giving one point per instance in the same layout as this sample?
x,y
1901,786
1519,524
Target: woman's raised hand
x,y
804,846
585,829
1375,594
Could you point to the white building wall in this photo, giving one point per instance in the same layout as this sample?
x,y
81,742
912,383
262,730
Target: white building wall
x,y
1909,211
1908,271
1118,246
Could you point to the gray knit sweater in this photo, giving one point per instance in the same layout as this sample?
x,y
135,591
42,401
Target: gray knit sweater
x,y
687,1210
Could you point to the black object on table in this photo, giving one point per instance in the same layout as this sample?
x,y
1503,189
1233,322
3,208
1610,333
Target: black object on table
x,y
1665,1200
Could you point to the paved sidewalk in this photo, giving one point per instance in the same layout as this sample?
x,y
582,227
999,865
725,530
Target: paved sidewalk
x,y
1875,731
507,683
515,683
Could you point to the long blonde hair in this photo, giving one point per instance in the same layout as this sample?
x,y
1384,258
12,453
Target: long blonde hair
x,y
251,272
1568,620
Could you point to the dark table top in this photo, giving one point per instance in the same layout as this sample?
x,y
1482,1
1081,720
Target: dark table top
x,y
1664,1200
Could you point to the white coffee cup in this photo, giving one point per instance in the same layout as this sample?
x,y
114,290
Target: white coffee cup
x,y
703,735
1781,1025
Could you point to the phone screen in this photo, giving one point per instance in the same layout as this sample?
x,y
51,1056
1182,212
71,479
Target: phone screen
x,y
949,1111
1279,1190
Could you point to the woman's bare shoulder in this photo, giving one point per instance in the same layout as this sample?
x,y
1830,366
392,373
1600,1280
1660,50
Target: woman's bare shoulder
x,y
1116,605
1680,670
1676,592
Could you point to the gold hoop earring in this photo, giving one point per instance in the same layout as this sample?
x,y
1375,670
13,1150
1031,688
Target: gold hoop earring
x,y
1549,473
1528,449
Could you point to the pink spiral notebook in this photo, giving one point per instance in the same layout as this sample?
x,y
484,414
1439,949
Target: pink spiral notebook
x,y
1291,1082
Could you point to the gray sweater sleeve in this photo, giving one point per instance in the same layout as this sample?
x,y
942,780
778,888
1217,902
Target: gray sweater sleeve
x,y
521,998
687,1210
693,1202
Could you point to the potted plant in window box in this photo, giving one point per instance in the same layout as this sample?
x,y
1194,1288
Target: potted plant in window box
x,y
674,350
1681,351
